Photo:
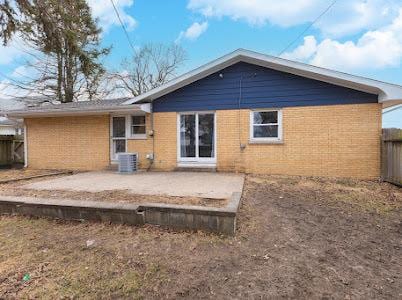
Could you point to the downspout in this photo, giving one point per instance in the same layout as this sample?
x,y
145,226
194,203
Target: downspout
x,y
25,145
239,111
153,140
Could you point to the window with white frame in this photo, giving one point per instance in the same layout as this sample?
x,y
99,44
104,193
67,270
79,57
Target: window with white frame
x,y
266,125
138,128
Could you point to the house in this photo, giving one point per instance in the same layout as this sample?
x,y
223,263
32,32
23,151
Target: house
x,y
244,112
10,127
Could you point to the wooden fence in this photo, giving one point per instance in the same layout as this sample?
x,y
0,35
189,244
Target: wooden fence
x,y
11,150
391,152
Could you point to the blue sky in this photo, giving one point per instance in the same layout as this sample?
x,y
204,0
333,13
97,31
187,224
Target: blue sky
x,y
362,37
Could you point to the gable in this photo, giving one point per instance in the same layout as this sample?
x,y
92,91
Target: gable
x,y
257,87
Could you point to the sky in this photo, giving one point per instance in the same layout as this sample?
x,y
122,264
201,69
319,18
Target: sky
x,y
361,37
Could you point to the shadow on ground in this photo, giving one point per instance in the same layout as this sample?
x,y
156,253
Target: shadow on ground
x,y
297,238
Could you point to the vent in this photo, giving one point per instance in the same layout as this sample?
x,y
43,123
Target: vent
x,y
128,162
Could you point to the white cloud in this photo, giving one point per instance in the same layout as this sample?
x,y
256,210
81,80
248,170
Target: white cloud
x,y
304,51
373,50
344,18
104,11
193,32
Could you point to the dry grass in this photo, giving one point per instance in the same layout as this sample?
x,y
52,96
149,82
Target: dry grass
x,y
362,194
63,266
298,237
23,173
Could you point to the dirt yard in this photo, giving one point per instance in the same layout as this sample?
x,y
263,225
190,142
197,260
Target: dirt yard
x,y
297,238
7,174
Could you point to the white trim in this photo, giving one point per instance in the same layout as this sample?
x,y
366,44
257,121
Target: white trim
x,y
196,165
25,146
128,136
196,161
266,140
112,139
140,136
390,93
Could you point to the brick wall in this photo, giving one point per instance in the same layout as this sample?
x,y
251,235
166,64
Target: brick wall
x,y
142,146
80,143
165,127
339,140
336,140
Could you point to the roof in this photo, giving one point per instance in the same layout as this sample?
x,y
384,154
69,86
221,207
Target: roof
x,y
389,94
80,107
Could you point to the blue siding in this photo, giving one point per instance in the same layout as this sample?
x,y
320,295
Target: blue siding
x,y
261,88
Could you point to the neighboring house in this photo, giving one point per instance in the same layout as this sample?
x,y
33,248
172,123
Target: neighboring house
x,y
10,127
244,112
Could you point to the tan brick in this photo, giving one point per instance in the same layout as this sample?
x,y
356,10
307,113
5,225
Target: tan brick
x,y
337,140
80,143
165,127
142,146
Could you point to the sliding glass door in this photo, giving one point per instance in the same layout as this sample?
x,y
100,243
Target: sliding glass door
x,y
196,137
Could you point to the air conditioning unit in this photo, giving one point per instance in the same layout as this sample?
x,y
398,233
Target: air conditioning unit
x,y
128,162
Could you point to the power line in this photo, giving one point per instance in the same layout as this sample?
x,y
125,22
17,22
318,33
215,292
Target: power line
x,y
392,109
308,27
122,26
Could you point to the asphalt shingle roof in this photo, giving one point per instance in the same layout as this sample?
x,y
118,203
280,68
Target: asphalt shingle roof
x,y
95,104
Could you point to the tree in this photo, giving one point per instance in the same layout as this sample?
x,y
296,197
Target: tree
x,y
150,66
63,41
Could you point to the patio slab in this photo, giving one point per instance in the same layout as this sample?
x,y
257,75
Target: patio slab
x,y
179,184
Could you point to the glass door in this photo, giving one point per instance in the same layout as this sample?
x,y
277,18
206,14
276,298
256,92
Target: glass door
x,y
197,137
119,142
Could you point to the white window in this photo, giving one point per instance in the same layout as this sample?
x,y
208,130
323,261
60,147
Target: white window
x,y
266,126
138,128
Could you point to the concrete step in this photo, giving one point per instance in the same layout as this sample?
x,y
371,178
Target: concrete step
x,y
195,169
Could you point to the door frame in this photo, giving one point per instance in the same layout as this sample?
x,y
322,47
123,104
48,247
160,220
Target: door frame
x,y
196,161
112,158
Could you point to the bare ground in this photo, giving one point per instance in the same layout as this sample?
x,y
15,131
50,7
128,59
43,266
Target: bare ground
x,y
297,238
7,174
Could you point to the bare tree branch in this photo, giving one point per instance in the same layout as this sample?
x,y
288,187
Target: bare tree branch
x,y
151,66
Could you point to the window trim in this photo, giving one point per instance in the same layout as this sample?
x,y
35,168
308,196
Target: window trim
x,y
267,140
131,135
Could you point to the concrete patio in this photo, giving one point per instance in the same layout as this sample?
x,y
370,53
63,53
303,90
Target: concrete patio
x,y
181,184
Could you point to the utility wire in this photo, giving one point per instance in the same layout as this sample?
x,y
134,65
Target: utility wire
x,y
122,26
392,109
308,27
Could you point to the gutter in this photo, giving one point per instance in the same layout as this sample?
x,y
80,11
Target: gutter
x,y
77,111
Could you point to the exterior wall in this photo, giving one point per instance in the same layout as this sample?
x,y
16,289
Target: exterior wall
x,y
258,87
165,135
80,143
336,140
142,146
339,141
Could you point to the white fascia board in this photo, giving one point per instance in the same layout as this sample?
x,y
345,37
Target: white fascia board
x,y
146,107
387,92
